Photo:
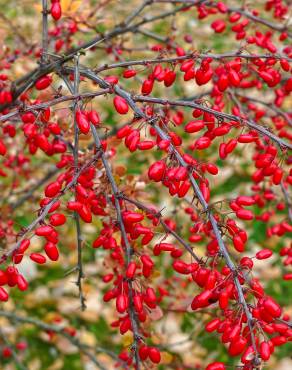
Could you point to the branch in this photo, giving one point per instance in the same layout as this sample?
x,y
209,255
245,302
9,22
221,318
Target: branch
x,y
185,103
194,55
51,103
137,11
47,208
164,225
269,105
223,249
60,330
288,200
265,22
30,79
217,232
129,250
29,192
76,166
231,117
45,41
246,13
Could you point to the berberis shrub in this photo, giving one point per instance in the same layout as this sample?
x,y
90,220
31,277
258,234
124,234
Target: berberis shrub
x,y
145,184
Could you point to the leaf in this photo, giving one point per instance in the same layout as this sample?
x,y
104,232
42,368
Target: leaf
x,y
38,7
70,6
166,357
127,340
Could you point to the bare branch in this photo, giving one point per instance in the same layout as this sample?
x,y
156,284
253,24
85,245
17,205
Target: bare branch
x,y
60,330
288,200
137,11
45,41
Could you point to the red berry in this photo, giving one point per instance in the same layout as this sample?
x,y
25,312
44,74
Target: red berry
x,y
147,87
238,243
3,148
51,251
265,351
157,170
132,217
56,10
21,283
44,230
57,219
212,325
143,352
121,303
38,258
154,355
82,122
194,126
216,366
3,295
131,270
129,73
264,254
169,78
244,214
52,189
121,105
272,307
43,82
218,26
6,352
237,346
202,143
94,117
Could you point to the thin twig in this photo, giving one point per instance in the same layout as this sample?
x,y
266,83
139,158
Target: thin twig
x,y
137,11
288,200
45,41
